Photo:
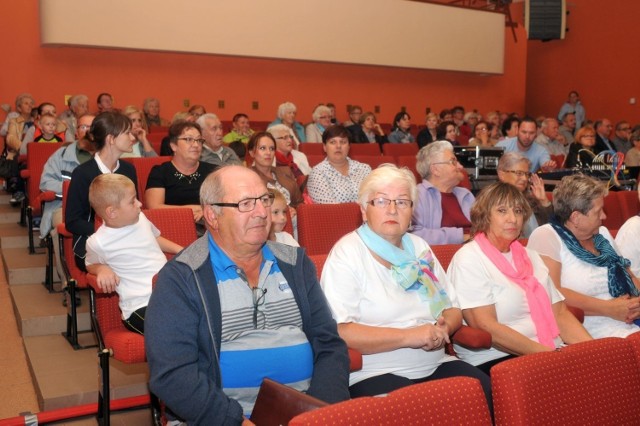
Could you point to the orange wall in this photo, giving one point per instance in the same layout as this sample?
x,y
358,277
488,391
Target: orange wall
x,y
597,58
50,73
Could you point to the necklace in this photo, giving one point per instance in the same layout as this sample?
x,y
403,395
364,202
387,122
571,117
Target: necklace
x,y
189,178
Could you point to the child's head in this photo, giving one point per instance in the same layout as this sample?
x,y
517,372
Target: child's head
x,y
114,199
48,123
278,211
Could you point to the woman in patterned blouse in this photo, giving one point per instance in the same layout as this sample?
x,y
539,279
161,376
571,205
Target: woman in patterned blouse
x,y
337,178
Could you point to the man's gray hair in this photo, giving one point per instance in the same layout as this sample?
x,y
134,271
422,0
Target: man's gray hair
x,y
204,117
428,154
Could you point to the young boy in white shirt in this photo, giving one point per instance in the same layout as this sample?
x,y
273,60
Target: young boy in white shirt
x,y
127,250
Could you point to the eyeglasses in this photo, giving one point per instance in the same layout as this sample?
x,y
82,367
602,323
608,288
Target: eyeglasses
x,y
383,203
519,173
248,204
285,137
482,129
84,127
258,300
453,162
190,140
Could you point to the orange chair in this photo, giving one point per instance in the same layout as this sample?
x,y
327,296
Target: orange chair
x,y
594,382
143,167
318,229
310,148
398,149
356,149
37,156
374,160
409,161
175,224
457,400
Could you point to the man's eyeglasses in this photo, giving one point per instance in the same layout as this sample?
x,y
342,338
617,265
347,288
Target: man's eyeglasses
x,y
190,140
258,300
382,203
453,162
248,204
519,173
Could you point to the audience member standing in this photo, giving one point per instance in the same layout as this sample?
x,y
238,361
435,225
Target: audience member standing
x,y
575,106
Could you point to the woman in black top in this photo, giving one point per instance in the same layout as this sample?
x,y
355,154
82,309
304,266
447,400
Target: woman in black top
x,y
177,182
111,136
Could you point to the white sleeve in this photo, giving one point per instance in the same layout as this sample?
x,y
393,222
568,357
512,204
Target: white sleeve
x,y
473,284
627,243
546,242
95,253
342,284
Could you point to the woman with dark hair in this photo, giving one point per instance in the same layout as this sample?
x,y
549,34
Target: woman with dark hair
x,y
337,178
262,148
111,136
400,131
482,137
447,131
367,130
177,182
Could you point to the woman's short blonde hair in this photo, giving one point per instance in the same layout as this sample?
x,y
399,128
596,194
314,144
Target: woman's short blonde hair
x,y
382,176
132,109
496,194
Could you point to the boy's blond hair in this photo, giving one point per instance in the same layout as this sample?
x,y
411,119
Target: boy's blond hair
x,y
108,190
278,196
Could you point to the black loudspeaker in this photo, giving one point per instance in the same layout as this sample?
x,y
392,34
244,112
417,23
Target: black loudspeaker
x,y
545,19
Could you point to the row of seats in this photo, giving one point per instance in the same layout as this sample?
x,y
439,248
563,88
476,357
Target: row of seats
x,y
594,382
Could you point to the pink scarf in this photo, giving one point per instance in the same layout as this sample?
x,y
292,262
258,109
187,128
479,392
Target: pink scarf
x,y
537,298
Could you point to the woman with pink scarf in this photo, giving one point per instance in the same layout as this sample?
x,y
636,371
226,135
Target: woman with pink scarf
x,y
505,288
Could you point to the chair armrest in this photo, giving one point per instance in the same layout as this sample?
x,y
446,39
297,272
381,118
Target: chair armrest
x,y
577,312
472,338
62,231
25,173
355,360
22,159
92,281
47,196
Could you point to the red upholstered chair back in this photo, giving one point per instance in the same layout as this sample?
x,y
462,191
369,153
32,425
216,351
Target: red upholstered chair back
x,y
398,149
320,226
69,257
457,400
356,149
315,159
143,167
309,148
444,253
318,260
629,203
37,156
409,161
595,382
155,139
374,160
175,224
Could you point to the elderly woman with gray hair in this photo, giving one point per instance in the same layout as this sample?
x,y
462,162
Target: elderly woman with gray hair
x,y
583,260
387,293
321,121
287,115
442,212
513,168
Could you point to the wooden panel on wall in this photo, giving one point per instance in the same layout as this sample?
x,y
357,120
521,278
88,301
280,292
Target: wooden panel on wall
x,y
395,33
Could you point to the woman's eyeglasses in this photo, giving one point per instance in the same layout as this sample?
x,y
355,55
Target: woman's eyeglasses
x,y
382,203
519,173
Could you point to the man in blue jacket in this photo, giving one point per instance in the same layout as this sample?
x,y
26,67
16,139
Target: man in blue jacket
x,y
232,309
